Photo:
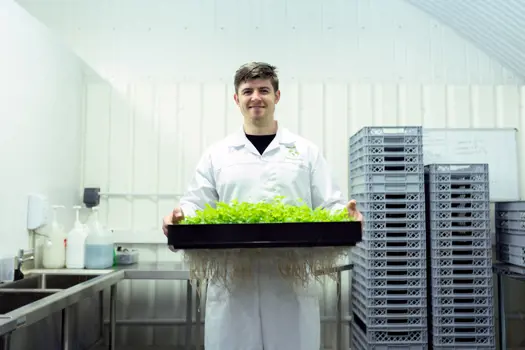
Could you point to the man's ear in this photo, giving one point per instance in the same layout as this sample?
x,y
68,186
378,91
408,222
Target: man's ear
x,y
277,96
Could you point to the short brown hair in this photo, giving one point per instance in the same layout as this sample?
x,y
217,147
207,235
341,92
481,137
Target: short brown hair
x,y
256,70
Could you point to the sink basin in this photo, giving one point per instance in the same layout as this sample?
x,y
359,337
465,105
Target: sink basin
x,y
48,281
11,300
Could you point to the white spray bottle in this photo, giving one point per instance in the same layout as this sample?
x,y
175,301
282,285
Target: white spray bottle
x,y
76,243
54,254
99,245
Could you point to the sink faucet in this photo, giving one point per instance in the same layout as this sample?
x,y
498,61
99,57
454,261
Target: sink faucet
x,y
23,256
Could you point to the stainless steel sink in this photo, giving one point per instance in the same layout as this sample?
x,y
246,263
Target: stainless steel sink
x,y
48,281
11,299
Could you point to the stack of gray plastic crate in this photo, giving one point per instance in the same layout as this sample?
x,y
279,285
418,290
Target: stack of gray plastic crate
x,y
461,289
389,301
510,228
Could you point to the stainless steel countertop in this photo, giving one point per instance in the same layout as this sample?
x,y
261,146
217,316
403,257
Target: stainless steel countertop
x,y
59,300
141,270
7,324
150,270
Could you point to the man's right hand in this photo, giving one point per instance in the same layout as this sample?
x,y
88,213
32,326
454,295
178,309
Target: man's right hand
x,y
171,219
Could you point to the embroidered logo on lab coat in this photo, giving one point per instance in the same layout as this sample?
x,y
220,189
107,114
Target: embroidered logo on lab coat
x,y
292,152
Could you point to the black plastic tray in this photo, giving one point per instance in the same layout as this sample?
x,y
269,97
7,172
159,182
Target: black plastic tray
x,y
225,236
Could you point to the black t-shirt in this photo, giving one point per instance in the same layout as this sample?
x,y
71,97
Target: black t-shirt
x,y
261,142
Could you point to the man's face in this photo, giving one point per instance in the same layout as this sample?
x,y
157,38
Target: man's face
x,y
257,99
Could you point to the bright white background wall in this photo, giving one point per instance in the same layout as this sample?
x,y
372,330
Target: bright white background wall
x,y
169,67
41,103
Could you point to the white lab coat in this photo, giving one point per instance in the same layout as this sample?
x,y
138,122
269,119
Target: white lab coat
x,y
269,313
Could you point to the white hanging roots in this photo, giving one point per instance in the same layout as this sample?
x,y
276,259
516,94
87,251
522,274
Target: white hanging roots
x,y
299,265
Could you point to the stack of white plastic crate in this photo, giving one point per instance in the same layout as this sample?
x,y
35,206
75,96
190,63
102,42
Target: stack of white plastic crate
x,y
386,177
510,232
460,252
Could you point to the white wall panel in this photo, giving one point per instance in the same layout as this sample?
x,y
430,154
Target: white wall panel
x,y
342,40
41,105
148,142
495,26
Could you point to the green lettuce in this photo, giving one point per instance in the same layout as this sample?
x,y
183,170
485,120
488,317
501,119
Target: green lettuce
x,y
274,211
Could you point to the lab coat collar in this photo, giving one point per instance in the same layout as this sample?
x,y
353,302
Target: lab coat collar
x,y
283,137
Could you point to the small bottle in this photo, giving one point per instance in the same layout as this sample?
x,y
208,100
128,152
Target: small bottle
x,y
76,244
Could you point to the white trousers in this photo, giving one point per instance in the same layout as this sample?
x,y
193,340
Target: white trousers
x,y
265,313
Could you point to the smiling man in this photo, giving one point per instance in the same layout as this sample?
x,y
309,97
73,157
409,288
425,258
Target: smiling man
x,y
260,161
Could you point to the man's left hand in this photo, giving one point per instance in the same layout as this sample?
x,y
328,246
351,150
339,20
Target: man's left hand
x,y
353,212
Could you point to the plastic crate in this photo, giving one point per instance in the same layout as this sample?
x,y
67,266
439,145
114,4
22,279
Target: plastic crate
x,y
511,259
458,169
401,274
445,253
392,321
359,342
515,206
455,281
466,341
406,228
374,292
460,214
385,150
364,169
457,331
461,262
392,263
382,312
463,242
460,224
452,178
386,141
394,215
459,311
511,249
388,188
386,178
465,302
391,204
510,215
518,225
390,253
459,204
400,199
435,189
394,282
461,271
406,336
407,272
408,302
392,244
460,196
516,240
387,163
472,320
456,291
393,133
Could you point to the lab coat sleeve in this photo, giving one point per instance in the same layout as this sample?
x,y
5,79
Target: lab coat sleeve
x,y
325,191
201,190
